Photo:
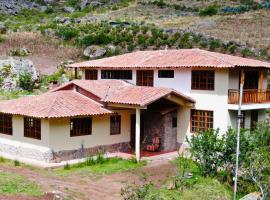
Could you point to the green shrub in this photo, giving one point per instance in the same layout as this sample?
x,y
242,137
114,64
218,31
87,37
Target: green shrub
x,y
209,11
90,161
67,166
206,148
66,33
232,48
25,81
100,159
246,52
214,44
16,163
2,160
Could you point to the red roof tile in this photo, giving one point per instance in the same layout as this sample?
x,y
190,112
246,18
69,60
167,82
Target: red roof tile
x,y
118,91
172,59
53,105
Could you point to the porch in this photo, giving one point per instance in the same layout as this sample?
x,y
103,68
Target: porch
x,y
249,96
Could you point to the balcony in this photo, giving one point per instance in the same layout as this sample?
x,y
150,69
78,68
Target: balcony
x,y
249,96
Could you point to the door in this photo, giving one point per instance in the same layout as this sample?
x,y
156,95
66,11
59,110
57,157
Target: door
x,y
253,119
145,77
133,130
251,80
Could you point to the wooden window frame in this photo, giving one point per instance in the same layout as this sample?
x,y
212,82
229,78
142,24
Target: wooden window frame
x,y
80,126
32,128
165,73
203,80
6,124
116,74
115,124
145,78
202,116
91,74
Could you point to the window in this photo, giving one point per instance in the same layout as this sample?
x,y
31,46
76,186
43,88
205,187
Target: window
x,y
6,124
116,74
165,73
203,80
253,119
145,77
115,124
201,120
80,126
32,128
91,74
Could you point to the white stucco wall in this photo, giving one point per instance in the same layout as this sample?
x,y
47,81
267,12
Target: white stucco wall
x,y
61,140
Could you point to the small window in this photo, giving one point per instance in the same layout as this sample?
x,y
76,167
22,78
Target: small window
x,y
91,74
6,124
115,124
32,128
116,74
203,80
80,126
165,73
201,120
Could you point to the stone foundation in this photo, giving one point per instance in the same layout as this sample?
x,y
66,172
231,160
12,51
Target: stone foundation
x,y
25,150
84,152
44,154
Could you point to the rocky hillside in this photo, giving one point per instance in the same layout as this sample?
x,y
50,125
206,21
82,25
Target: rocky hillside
x,y
57,31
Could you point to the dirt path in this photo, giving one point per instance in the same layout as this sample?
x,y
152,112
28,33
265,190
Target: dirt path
x,y
87,186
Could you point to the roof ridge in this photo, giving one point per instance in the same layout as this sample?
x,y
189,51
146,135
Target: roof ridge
x,y
52,104
209,53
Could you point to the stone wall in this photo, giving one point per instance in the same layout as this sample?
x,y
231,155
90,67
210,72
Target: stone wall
x,y
43,154
25,150
84,152
161,126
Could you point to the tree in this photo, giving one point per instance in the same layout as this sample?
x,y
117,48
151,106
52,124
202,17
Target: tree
x,y
25,81
259,170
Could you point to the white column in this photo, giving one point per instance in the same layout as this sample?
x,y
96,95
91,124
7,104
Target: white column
x,y
138,128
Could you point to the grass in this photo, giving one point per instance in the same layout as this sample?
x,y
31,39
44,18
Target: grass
x,y
109,166
15,184
13,94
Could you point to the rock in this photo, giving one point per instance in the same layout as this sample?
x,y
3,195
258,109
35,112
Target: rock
x,y
94,51
83,4
63,79
20,52
95,3
62,20
11,68
57,195
3,28
111,47
69,9
251,196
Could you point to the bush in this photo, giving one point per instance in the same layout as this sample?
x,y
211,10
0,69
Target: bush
x,y
245,52
67,33
209,11
26,82
206,148
67,166
16,163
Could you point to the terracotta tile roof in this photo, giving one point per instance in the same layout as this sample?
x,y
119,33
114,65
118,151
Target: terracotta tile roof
x,y
143,96
118,91
172,59
66,103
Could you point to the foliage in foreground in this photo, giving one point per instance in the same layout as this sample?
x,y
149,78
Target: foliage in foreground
x,y
14,184
181,186
215,155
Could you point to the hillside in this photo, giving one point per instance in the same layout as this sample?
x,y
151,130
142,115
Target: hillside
x,y
57,31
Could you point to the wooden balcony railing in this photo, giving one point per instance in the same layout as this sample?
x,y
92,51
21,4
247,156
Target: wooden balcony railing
x,y
249,96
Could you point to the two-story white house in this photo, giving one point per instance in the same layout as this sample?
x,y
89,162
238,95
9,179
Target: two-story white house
x,y
212,79
143,101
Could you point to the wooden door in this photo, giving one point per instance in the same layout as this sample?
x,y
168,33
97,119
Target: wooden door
x,y
145,77
251,80
253,119
133,130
